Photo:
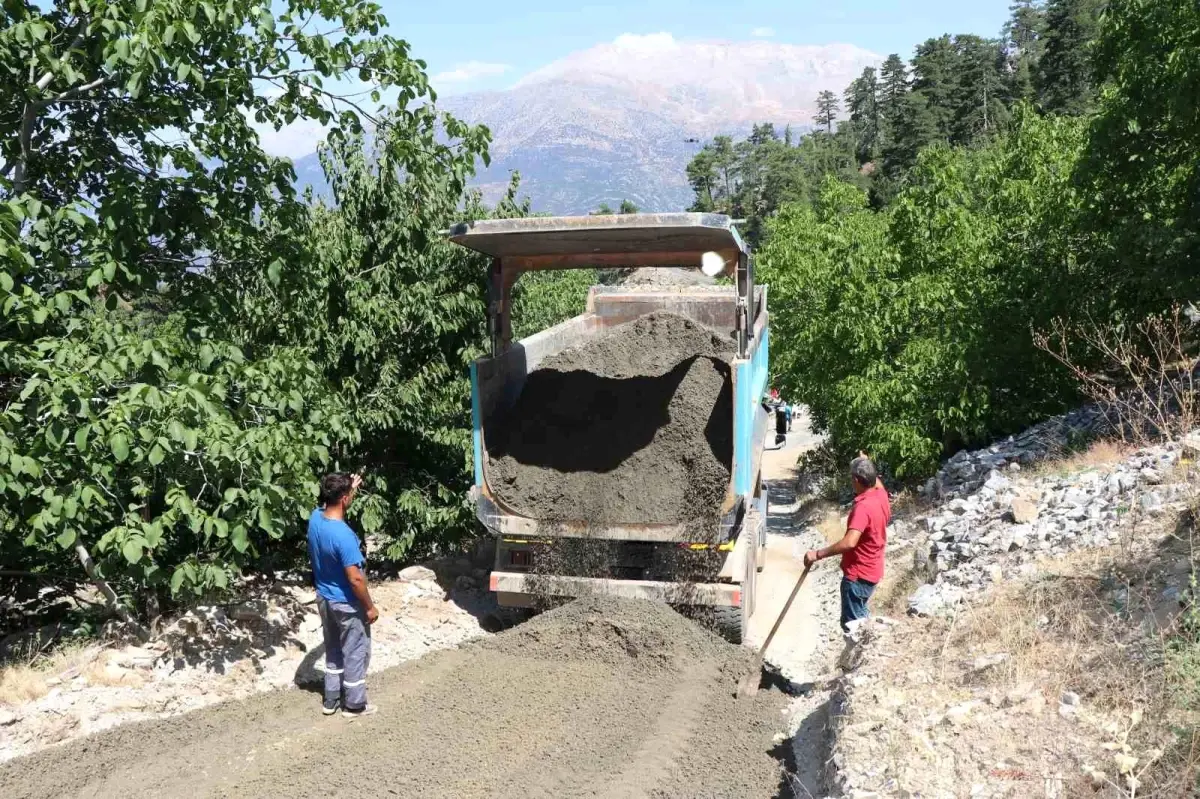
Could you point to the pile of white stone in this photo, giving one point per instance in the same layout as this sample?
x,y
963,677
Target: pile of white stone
x,y
997,524
967,471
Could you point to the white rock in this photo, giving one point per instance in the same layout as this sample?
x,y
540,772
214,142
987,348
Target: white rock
x,y
412,574
1151,502
1076,497
252,610
1151,476
1071,698
997,481
988,661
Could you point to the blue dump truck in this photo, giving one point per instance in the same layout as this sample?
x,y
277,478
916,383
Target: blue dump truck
x,y
708,569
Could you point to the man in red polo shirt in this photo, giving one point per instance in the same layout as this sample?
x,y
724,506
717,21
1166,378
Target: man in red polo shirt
x,y
863,544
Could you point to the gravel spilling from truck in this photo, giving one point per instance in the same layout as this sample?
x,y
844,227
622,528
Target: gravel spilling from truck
x,y
632,427
601,697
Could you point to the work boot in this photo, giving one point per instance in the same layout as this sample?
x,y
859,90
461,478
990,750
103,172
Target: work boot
x,y
354,712
330,706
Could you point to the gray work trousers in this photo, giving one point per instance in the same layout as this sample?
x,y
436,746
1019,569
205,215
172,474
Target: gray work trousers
x,y
347,652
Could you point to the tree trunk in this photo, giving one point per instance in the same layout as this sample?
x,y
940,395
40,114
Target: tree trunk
x,y
110,596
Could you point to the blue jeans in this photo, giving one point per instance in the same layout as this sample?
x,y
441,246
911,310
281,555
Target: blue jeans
x,y
855,594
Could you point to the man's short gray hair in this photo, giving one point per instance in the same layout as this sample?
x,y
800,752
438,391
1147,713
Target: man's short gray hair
x,y
862,470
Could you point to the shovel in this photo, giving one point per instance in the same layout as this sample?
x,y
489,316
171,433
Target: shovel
x,y
748,687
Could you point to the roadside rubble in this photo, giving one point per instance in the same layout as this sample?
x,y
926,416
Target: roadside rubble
x,y
996,521
926,708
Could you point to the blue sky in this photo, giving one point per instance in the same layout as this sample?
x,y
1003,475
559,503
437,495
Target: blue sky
x,y
473,44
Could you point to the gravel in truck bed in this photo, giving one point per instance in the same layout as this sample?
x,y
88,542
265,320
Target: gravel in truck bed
x,y
634,426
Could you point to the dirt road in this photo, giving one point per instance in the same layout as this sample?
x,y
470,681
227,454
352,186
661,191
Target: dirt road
x,y
592,699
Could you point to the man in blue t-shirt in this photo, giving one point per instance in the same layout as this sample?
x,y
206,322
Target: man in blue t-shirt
x,y
343,601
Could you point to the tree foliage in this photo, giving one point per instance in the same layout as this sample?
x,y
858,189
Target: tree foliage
x,y
906,331
1065,74
391,313
1142,169
185,344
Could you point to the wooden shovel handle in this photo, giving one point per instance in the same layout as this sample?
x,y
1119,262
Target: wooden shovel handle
x,y
782,613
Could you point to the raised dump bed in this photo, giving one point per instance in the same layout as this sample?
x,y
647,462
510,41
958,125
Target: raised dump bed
x,y
620,452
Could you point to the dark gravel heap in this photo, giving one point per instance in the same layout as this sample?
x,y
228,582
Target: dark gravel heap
x,y
633,427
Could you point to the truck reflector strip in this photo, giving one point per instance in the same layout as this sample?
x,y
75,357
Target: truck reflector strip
x,y
725,547
494,583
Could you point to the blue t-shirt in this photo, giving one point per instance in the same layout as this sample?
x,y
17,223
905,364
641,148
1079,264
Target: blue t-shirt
x,y
332,546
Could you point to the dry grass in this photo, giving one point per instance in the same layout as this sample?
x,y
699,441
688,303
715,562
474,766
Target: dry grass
x,y
103,672
1101,453
20,684
28,678
900,580
1064,632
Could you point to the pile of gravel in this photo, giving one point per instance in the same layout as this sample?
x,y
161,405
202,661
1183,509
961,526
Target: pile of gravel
x,y
632,427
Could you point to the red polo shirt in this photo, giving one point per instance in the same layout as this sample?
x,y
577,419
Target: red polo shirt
x,y
870,515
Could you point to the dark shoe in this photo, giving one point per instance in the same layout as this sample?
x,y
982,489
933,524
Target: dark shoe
x,y
354,712
330,706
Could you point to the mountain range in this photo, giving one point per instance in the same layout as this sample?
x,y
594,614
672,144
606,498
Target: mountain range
x,y
620,121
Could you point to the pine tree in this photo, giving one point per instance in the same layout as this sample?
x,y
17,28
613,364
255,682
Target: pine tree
x,y
862,103
827,109
915,129
981,99
893,89
936,72
761,134
1065,82
1024,44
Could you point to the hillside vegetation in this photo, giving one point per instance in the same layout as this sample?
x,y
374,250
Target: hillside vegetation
x,y
185,343
991,190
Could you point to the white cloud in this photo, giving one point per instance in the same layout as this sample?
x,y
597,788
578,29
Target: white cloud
x,y
647,43
763,33
291,141
469,71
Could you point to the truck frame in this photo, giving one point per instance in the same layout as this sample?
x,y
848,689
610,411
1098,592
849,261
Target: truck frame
x,y
735,545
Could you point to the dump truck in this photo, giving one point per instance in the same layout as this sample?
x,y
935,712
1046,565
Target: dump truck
x,y
734,544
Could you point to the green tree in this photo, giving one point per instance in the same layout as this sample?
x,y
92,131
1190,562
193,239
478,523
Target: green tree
x,y
915,129
627,207
713,174
937,75
981,101
604,209
131,173
1143,164
827,110
149,446
862,103
393,313
1023,36
907,331
1065,75
893,88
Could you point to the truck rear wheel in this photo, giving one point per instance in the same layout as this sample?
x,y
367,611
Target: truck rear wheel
x,y
724,621
727,623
